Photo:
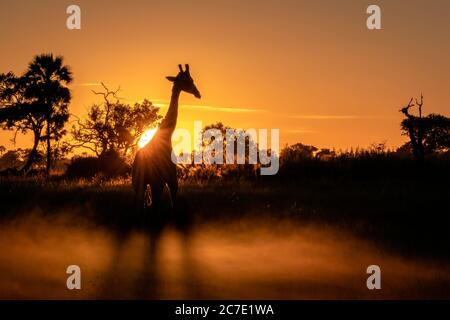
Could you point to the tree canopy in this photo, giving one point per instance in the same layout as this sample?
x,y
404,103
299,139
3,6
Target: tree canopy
x,y
113,125
36,99
427,134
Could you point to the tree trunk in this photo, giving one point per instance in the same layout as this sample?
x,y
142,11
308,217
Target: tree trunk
x,y
32,155
47,169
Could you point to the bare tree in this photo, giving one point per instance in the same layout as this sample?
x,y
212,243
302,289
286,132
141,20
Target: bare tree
x,y
113,125
427,134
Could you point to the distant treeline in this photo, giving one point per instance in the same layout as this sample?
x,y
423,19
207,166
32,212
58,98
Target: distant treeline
x,y
297,162
38,100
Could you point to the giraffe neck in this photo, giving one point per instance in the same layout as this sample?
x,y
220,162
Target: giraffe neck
x,y
170,120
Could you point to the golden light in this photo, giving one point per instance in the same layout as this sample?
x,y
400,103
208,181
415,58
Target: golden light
x,y
146,137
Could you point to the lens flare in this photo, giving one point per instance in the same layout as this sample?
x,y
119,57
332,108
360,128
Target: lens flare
x,y
146,137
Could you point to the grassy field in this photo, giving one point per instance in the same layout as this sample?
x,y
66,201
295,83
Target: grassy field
x,y
411,216
264,239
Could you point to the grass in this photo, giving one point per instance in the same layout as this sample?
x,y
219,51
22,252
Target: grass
x,y
410,216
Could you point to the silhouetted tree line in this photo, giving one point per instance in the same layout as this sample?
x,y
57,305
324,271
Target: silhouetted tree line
x,y
38,102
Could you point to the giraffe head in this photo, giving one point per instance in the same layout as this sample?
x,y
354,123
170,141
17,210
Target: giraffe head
x,y
185,82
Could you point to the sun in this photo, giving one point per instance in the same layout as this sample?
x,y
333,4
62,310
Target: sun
x,y
146,137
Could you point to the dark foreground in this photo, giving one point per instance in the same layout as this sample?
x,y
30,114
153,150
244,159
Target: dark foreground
x,y
313,239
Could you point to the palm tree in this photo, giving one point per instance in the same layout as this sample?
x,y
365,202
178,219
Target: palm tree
x,y
47,79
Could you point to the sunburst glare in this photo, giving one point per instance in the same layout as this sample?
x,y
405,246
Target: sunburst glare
x,y
146,137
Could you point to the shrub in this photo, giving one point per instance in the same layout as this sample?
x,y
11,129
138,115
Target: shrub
x,y
110,165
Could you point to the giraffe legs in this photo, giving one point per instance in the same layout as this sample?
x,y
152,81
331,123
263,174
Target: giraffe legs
x,y
149,182
151,204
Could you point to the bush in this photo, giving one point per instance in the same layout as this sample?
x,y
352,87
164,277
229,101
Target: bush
x,y
110,165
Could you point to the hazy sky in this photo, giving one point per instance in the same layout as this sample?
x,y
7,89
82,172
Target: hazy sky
x,y
310,68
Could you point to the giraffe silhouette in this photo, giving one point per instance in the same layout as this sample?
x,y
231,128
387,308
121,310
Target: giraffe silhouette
x,y
153,167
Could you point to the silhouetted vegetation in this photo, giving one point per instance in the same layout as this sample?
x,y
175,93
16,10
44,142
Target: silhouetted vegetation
x,y
428,134
408,215
113,125
298,162
374,192
36,99
109,165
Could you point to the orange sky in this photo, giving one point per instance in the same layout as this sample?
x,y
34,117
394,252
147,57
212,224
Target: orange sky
x,y
310,68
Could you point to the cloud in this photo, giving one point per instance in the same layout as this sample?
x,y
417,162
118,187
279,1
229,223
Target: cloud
x,y
337,117
214,108
223,109
298,131
88,84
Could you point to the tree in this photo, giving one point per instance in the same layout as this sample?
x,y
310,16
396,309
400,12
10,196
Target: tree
x,y
298,152
19,113
47,79
437,133
37,98
428,134
114,126
240,140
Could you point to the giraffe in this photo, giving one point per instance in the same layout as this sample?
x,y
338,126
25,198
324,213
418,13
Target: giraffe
x,y
153,168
